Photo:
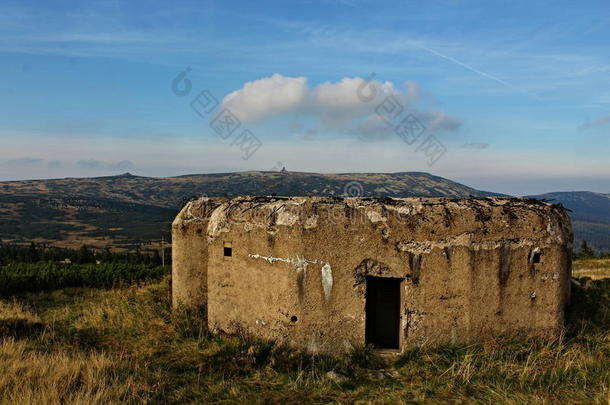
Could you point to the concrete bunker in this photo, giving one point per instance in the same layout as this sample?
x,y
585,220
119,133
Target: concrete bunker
x,y
327,274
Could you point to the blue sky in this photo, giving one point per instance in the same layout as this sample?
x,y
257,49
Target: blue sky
x,y
516,92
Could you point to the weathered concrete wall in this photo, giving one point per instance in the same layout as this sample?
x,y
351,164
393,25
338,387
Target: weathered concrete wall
x,y
190,253
298,267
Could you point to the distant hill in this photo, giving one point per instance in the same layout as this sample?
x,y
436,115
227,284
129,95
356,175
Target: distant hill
x,y
169,191
590,215
124,210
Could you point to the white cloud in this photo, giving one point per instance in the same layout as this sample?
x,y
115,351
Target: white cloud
x,y
338,104
267,96
344,95
373,127
346,106
440,120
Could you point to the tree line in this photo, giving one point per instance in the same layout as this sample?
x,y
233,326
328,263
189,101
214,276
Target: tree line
x,y
16,278
34,253
587,252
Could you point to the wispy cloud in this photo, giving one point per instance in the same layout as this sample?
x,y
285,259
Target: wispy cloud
x,y
202,155
602,121
474,145
96,164
23,161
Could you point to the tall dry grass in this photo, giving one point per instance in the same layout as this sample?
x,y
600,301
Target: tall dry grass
x,y
31,374
595,269
60,377
127,346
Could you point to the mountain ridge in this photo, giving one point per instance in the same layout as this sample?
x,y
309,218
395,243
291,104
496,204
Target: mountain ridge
x,y
168,192
126,210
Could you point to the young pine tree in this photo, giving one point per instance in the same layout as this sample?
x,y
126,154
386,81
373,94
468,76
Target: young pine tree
x,y
586,251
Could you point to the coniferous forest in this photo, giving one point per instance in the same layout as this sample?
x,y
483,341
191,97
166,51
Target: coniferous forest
x,y
34,268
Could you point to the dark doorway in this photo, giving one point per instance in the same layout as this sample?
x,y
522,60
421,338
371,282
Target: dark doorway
x,y
383,312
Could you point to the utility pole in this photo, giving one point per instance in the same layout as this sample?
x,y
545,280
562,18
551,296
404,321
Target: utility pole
x,y
163,251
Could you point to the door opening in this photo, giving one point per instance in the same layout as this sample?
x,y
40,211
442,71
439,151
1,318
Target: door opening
x,y
382,312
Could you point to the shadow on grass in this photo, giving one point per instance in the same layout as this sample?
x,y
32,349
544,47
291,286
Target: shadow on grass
x,y
241,354
20,328
589,308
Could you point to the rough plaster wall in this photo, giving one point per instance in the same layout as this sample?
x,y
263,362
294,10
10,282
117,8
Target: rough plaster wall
x,y
190,253
465,265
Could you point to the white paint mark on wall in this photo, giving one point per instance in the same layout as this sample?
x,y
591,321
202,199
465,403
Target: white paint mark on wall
x,y
327,280
297,262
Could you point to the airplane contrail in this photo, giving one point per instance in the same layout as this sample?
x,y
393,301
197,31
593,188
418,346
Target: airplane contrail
x,y
462,64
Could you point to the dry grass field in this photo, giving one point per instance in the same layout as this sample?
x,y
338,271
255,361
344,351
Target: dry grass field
x,y
100,346
595,269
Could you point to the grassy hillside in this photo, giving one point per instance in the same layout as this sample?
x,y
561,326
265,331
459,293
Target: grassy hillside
x,y
595,269
122,211
88,346
75,221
